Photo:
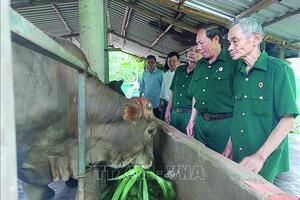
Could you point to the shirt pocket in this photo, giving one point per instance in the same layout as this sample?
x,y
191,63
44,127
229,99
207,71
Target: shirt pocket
x,y
221,81
198,77
221,75
194,85
260,103
237,98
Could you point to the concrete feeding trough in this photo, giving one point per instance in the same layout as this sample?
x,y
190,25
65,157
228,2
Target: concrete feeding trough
x,y
200,173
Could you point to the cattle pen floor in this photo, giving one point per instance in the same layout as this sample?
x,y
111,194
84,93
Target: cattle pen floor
x,y
62,191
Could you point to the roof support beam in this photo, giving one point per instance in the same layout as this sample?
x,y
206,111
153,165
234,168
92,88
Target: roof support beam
x,y
180,3
281,53
277,19
117,34
38,3
152,13
272,39
93,35
163,33
74,34
209,18
294,41
134,41
62,19
109,42
125,23
184,51
158,38
257,7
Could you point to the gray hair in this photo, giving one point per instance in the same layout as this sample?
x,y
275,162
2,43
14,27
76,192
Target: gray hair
x,y
249,26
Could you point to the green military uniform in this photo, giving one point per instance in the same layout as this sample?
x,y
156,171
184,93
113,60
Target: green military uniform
x,y
212,87
263,96
182,101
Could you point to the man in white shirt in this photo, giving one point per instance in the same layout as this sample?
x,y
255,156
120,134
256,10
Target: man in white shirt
x,y
165,92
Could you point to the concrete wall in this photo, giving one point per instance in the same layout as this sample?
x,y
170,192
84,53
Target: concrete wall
x,y
201,174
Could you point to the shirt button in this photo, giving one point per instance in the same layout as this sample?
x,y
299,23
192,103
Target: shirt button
x,y
203,102
243,114
245,96
180,94
246,79
203,90
242,130
209,66
241,148
261,97
206,78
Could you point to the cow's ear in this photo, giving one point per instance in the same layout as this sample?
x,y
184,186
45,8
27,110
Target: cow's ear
x,y
131,111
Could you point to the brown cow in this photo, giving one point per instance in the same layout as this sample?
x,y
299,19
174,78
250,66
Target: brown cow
x,y
119,131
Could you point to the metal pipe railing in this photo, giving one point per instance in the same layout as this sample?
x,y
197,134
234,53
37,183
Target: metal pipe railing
x,y
28,35
9,189
81,133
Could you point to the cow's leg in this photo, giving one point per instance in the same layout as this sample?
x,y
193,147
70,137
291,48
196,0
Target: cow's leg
x,y
36,174
33,192
37,192
72,182
48,192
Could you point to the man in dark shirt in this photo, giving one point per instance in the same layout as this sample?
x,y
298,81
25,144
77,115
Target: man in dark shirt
x,y
179,108
265,103
212,91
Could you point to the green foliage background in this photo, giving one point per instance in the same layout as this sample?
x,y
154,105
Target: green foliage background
x,y
125,66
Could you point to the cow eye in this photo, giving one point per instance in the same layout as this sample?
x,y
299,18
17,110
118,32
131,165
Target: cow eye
x,y
151,131
149,106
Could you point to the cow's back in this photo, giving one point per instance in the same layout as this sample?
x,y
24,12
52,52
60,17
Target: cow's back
x,y
46,109
43,91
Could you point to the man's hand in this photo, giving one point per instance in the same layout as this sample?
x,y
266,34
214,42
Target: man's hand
x,y
256,161
168,116
190,129
160,107
228,149
253,162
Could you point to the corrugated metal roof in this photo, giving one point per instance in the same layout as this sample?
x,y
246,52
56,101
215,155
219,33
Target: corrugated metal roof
x,y
288,28
143,29
163,11
46,18
116,15
230,8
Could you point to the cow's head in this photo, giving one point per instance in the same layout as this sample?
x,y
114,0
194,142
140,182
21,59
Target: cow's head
x,y
138,108
139,113
124,142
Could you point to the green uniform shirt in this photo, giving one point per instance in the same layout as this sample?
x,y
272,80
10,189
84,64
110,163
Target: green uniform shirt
x,y
212,84
179,87
262,97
